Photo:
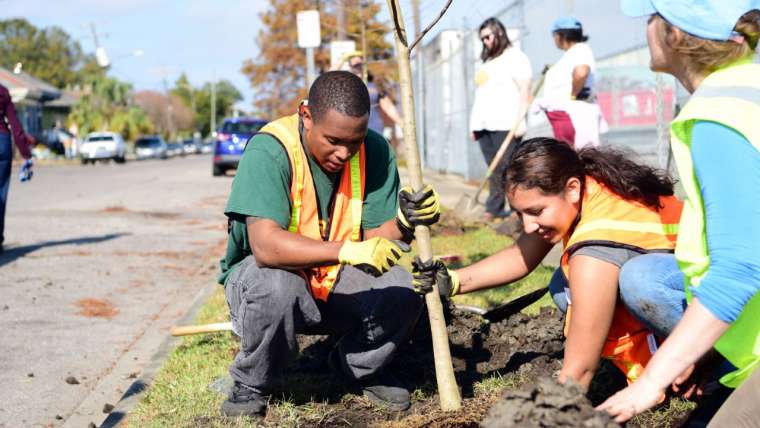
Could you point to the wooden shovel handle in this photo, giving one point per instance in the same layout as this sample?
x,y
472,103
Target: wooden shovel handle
x,y
186,330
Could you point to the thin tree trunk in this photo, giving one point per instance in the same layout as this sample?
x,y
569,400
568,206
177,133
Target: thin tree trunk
x,y
444,370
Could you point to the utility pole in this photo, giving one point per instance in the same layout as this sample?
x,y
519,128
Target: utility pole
x,y
364,44
212,127
341,19
169,111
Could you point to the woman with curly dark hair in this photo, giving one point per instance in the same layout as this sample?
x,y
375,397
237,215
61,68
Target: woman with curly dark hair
x,y
606,210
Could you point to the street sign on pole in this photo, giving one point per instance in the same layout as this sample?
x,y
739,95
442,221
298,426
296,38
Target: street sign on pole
x,y
307,23
338,50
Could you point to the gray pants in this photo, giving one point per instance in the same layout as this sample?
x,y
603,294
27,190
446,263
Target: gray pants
x,y
268,307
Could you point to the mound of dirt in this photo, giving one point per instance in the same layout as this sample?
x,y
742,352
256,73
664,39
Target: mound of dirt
x,y
546,403
520,343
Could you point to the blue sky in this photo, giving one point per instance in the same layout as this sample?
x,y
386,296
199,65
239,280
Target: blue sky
x,y
204,38
207,38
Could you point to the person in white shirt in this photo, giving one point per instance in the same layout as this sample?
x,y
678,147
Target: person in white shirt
x,y
572,79
502,91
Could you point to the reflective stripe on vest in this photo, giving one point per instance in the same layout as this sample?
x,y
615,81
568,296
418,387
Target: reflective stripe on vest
x,y
607,219
730,97
345,219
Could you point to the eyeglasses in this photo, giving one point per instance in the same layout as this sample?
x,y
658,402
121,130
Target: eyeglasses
x,y
357,65
486,37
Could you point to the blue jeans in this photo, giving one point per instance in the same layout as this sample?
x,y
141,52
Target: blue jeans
x,y
652,288
6,155
557,286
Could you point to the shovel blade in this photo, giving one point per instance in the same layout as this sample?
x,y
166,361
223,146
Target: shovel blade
x,y
506,310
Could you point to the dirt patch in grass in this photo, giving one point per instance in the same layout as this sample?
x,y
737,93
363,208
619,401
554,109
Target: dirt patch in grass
x,y
96,308
493,363
511,352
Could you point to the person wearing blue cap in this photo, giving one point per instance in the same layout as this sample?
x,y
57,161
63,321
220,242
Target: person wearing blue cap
x,y
708,46
569,80
572,77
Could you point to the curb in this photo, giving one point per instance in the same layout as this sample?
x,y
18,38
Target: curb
x,y
135,392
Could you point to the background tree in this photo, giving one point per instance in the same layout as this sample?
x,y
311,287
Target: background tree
x,y
226,97
49,54
156,106
198,100
106,105
278,72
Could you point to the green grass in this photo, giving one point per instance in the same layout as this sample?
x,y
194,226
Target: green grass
x,y
180,397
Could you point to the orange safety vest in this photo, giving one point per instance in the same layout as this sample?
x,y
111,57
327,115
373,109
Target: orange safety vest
x,y
609,220
345,220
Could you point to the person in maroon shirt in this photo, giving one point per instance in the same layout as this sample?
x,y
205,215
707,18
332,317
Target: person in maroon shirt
x,y
8,124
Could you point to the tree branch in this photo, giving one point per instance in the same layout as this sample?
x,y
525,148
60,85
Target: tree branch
x,y
397,25
432,24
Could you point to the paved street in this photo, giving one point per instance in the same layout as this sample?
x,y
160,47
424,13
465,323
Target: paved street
x,y
100,261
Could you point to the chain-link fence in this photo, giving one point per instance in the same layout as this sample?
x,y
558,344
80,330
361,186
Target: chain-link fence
x,y
636,103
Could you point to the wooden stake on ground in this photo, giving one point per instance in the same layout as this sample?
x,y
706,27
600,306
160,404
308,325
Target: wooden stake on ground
x,y
444,370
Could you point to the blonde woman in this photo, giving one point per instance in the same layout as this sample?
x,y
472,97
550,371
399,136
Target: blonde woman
x,y
708,46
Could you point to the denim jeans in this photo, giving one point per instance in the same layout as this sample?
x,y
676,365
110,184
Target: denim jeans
x,y
557,288
6,155
652,288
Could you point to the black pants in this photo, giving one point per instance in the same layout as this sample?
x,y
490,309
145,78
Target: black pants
x,y
490,141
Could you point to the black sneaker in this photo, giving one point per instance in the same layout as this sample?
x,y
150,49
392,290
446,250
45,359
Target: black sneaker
x,y
382,388
244,401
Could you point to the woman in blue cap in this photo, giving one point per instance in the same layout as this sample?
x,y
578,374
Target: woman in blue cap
x,y
708,46
572,79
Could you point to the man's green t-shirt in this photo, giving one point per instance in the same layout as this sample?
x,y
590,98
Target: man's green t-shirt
x,y
261,188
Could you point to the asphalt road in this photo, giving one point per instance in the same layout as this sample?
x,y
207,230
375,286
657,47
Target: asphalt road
x,y
100,261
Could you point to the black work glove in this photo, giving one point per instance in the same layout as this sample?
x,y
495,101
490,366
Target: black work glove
x,y
421,208
434,271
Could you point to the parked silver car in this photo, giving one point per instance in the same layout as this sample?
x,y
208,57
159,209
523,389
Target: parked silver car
x,y
103,146
151,148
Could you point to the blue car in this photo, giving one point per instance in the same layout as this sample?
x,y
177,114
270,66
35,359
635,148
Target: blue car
x,y
230,142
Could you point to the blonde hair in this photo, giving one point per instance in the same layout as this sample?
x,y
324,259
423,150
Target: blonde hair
x,y
705,56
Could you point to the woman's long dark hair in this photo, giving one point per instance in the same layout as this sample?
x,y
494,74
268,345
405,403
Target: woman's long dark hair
x,y
547,164
502,40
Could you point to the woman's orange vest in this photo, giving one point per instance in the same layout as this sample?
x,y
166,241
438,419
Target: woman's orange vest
x,y
611,221
345,220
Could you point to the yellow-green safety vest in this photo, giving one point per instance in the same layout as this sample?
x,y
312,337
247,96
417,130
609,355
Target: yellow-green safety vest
x,y
731,97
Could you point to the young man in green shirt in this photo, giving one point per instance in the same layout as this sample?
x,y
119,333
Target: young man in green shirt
x,y
273,268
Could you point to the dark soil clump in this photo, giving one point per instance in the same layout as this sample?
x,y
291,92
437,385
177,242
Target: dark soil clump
x,y
546,403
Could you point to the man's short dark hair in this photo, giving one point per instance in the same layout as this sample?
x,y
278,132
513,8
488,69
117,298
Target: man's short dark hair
x,y
341,91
